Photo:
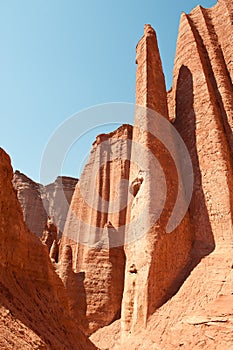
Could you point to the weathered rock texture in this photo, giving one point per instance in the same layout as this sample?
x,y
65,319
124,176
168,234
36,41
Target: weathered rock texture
x,y
203,100
172,290
39,202
33,305
200,314
50,239
155,262
29,195
99,265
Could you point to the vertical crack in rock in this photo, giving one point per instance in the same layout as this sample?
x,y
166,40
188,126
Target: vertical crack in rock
x,y
202,95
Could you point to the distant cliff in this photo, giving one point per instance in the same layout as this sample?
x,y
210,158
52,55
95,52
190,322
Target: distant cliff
x,y
40,202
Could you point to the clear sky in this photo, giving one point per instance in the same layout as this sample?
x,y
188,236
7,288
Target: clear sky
x,y
61,56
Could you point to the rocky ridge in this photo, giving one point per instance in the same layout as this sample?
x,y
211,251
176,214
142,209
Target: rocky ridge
x,y
34,307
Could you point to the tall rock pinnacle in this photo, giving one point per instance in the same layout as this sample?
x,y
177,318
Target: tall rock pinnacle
x,y
150,82
152,266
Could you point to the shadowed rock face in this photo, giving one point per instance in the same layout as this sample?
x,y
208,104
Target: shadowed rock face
x,y
33,305
203,110
39,202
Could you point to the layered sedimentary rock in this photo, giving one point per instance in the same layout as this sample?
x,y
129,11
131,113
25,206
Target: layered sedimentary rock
x,y
33,305
200,314
203,100
40,202
155,261
176,283
29,195
95,230
58,196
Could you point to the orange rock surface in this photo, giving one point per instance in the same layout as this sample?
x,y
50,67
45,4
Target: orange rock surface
x,y
39,202
159,257
200,314
99,264
130,289
33,305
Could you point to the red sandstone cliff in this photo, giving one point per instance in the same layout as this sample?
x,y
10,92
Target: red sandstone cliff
x,y
172,290
95,232
200,314
159,257
38,201
33,305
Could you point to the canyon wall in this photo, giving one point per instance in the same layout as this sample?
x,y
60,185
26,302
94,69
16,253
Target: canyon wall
x,y
40,202
33,303
203,110
118,261
200,314
94,230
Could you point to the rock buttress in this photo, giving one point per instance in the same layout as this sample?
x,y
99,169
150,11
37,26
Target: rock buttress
x,y
95,229
154,263
203,109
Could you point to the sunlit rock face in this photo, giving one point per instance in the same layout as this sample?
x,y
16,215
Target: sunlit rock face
x,y
198,313
95,232
40,202
34,308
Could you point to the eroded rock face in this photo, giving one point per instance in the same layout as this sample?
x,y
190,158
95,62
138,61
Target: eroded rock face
x,y
29,195
200,314
203,100
50,239
176,286
154,263
59,195
33,304
39,202
95,232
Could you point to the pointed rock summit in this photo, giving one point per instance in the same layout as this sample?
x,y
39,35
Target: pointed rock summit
x,y
150,81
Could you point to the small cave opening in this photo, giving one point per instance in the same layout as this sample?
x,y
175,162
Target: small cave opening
x,y
136,184
133,269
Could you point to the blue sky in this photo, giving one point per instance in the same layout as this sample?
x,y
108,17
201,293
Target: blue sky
x,y
59,57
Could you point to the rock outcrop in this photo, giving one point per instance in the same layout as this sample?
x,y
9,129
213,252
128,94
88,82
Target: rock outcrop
x,y
200,314
33,304
29,195
154,262
127,271
50,239
40,202
95,232
203,99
